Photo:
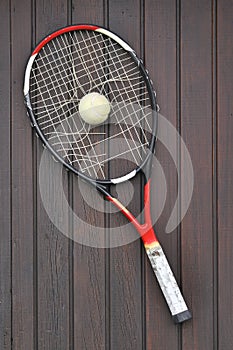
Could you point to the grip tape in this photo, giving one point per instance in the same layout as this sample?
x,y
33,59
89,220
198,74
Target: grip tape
x,y
168,284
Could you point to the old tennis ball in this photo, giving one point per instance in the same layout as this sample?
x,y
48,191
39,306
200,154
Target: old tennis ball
x,y
94,108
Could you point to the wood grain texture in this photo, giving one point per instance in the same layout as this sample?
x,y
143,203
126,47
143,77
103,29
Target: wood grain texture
x,y
52,246
161,61
225,170
89,259
126,319
22,185
56,293
196,130
5,180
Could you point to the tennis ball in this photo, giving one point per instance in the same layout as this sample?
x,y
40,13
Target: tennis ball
x,y
94,108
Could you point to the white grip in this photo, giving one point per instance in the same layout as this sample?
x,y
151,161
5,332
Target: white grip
x,y
168,284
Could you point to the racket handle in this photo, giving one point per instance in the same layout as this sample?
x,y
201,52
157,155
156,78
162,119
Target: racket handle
x,y
168,284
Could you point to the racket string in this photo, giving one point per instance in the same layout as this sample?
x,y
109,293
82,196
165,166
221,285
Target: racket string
x,y
78,63
67,122
128,115
136,98
84,63
60,123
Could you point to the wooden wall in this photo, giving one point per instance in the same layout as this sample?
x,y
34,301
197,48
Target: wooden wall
x,y
56,294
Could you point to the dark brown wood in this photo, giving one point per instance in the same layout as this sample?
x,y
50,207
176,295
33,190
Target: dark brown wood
x,y
126,319
5,180
161,39
53,273
89,272
89,259
56,293
22,185
225,170
196,130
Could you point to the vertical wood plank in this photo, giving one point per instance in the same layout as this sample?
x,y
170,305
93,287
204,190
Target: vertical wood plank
x,y
110,308
225,170
22,188
126,327
5,177
196,129
161,60
89,262
52,246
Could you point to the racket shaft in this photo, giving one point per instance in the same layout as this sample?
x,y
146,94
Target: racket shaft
x,y
168,284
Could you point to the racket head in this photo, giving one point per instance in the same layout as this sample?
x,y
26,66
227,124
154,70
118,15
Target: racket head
x,y
77,60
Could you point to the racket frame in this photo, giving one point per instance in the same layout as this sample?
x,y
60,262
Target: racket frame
x,y
151,92
171,291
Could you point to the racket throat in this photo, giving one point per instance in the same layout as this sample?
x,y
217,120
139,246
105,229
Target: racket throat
x,y
146,230
103,189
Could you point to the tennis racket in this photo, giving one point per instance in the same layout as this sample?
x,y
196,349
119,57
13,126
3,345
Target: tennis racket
x,y
75,62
